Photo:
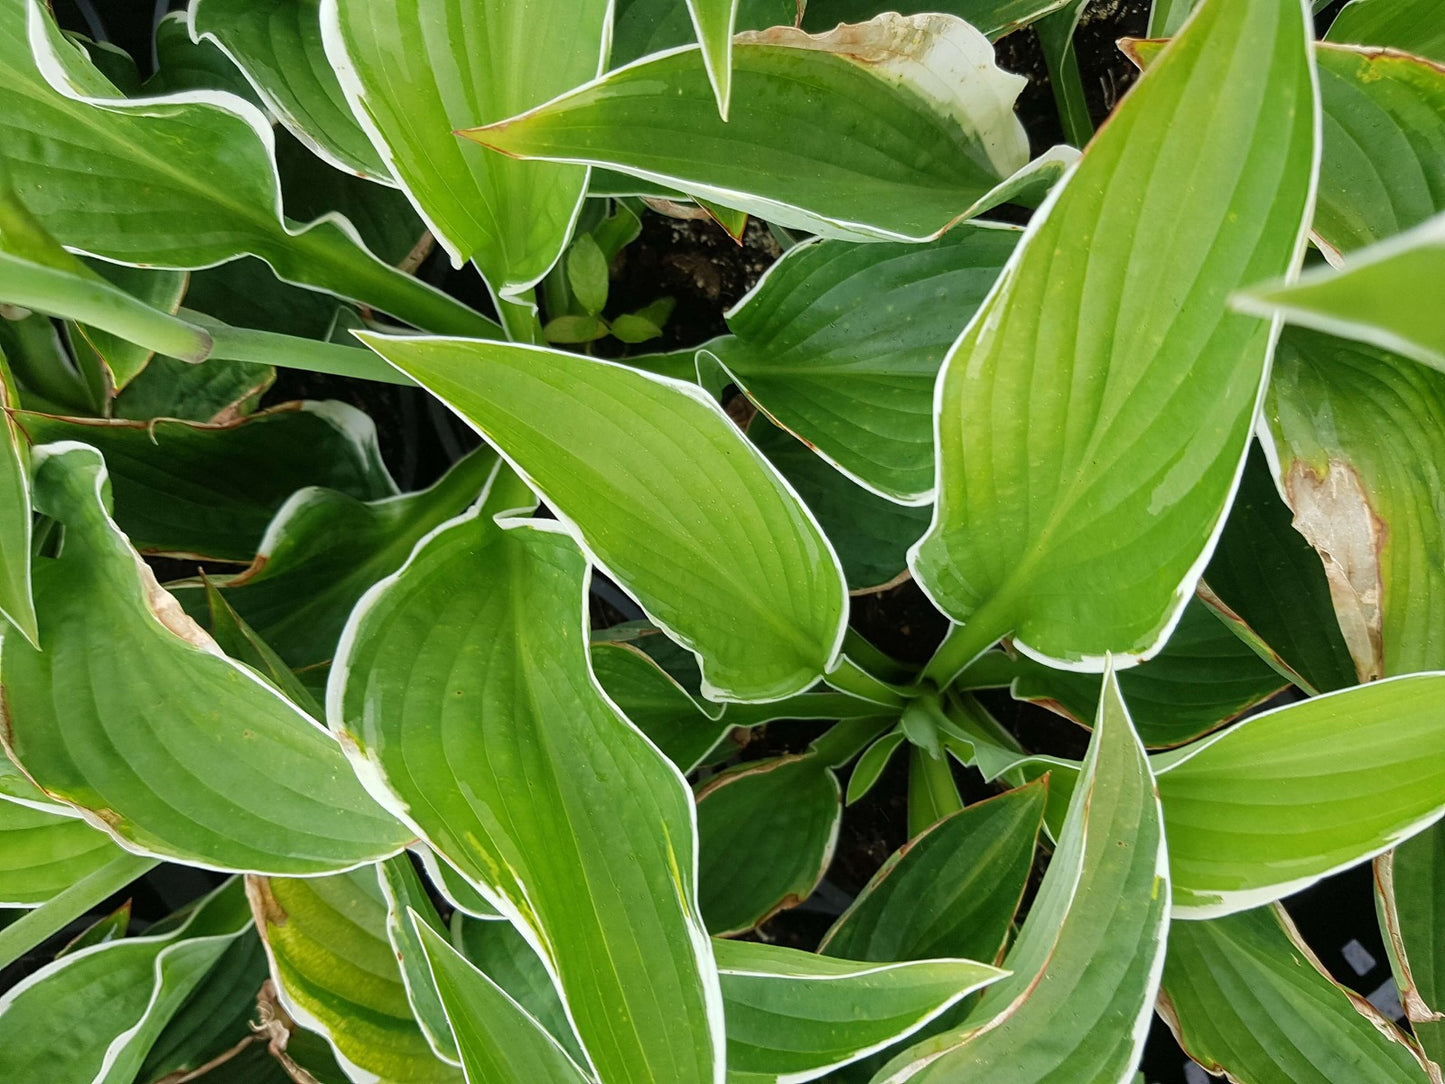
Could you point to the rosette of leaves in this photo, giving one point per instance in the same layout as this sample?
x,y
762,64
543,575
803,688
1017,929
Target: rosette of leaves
x,y
406,676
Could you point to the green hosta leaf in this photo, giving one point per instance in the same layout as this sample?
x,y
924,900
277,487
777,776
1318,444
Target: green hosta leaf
x,y
994,17
43,374
1385,296
37,273
1204,677
641,27
498,1040
1412,25
42,853
384,218
93,1014
337,973
1360,443
1078,519
871,764
766,833
416,71
407,908
463,681
183,64
1337,779
926,118
238,640
1085,967
247,293
739,573
116,360
452,886
180,181
109,927
1410,897
211,490
1383,166
841,344
575,329
1245,997
795,1016
951,892
278,45
324,548
657,705
1266,581
500,951
216,1017
212,391
1383,163
16,604
132,715
587,273
715,21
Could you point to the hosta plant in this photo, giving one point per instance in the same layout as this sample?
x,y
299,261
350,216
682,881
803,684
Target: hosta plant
x,y
321,768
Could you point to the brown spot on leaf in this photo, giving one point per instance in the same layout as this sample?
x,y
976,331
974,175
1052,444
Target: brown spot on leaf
x,y
884,38
170,614
264,904
1333,512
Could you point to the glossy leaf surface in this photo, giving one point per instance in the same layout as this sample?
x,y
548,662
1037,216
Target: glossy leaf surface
x,y
841,344
338,974
925,114
1360,440
132,715
462,682
1246,999
951,892
1086,962
1336,780
415,72
278,45
795,1015
1078,517
766,833
740,573
211,490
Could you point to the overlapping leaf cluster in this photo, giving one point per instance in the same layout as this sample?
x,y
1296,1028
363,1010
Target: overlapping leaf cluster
x,y
1170,452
